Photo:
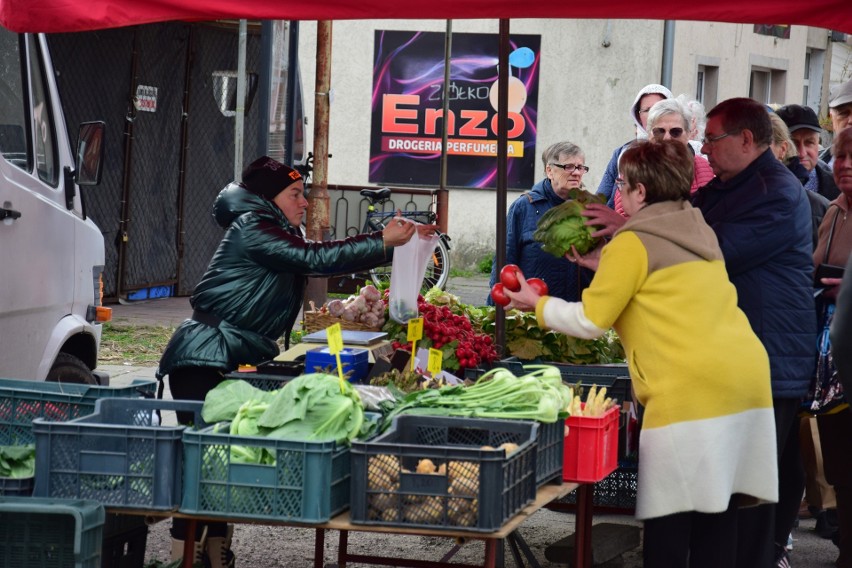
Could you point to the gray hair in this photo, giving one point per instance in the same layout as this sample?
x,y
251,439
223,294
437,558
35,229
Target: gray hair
x,y
670,106
552,153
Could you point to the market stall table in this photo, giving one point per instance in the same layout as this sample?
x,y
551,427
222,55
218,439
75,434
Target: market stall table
x,y
545,495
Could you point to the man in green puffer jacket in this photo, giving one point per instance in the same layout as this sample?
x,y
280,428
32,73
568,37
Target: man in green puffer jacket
x,y
253,290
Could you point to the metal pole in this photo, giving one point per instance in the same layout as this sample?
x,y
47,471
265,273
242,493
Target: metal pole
x,y
241,102
443,193
318,200
502,169
264,87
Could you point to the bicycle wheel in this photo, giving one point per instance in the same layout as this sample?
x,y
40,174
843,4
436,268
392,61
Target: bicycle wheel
x,y
437,270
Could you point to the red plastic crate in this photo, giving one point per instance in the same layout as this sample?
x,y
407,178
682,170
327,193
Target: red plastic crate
x,y
591,447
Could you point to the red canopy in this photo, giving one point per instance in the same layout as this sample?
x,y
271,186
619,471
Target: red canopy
x,y
81,15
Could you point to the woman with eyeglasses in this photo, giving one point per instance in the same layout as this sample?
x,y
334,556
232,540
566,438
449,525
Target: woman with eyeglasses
x,y
707,440
564,168
670,119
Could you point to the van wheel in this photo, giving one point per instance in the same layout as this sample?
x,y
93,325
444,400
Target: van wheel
x,y
69,369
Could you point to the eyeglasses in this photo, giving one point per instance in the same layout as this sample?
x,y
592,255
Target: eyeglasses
x,y
673,132
619,183
644,110
571,168
710,140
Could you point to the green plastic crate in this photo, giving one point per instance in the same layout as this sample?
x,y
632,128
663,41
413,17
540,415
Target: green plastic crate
x,y
116,455
23,401
50,533
309,482
474,489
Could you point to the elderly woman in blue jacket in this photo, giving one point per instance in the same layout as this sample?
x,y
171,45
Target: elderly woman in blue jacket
x,y
253,290
564,165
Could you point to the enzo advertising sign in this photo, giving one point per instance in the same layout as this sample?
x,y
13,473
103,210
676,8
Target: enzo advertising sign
x,y
407,108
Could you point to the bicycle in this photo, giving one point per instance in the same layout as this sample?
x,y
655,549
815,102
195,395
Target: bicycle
x,y
438,266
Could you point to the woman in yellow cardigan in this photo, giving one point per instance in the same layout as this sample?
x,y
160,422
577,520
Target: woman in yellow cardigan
x,y
707,444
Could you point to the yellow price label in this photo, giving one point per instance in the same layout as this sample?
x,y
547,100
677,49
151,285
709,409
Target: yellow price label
x,y
415,329
334,335
436,360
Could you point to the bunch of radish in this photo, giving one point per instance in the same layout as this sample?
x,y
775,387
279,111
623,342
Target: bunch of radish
x,y
367,307
509,281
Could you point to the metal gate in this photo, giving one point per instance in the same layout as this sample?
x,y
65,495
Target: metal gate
x,y
169,149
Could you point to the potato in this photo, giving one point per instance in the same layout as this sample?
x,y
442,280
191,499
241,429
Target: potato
x,y
426,466
465,486
509,447
466,469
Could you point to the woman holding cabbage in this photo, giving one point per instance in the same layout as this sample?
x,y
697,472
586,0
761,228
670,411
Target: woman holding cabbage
x,y
696,365
564,168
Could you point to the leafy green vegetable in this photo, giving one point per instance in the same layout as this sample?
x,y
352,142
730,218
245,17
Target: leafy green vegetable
x,y
538,395
312,407
564,225
17,461
222,403
527,341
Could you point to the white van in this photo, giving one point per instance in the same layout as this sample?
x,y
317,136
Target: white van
x,y
51,254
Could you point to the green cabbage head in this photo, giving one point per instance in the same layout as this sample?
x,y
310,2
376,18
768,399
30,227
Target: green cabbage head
x,y
564,225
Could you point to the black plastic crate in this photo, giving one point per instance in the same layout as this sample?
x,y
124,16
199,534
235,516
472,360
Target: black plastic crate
x,y
550,448
471,487
124,542
19,487
616,492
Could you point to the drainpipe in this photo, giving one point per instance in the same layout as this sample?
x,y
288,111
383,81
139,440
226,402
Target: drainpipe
x,y
318,227
502,170
668,53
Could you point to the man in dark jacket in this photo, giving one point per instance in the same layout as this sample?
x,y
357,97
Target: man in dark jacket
x,y
762,219
253,290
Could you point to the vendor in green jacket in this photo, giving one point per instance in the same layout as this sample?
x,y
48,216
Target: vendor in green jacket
x,y
253,290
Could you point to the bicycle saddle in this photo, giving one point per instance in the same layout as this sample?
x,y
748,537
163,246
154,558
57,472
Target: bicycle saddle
x,y
376,194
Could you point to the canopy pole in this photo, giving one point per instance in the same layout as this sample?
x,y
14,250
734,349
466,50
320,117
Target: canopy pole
x,y
443,204
502,170
318,227
239,123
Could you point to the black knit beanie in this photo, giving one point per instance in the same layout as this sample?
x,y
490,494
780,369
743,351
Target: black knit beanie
x,y
268,177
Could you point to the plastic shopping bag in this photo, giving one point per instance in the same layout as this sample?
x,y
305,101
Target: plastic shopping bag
x,y
407,272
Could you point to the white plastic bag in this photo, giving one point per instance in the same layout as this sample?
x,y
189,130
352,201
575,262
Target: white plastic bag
x,y
407,272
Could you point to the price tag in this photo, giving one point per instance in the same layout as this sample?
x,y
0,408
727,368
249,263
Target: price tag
x,y
415,332
334,335
436,359
415,329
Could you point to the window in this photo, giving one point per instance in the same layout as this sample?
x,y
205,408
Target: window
x,y
707,85
13,139
44,134
767,85
806,80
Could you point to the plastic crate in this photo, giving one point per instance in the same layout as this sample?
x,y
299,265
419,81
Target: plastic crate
x,y
591,447
550,447
116,456
50,533
615,493
480,490
309,482
124,542
21,486
23,401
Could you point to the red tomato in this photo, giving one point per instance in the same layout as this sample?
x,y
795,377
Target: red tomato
x,y
509,277
498,294
538,285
